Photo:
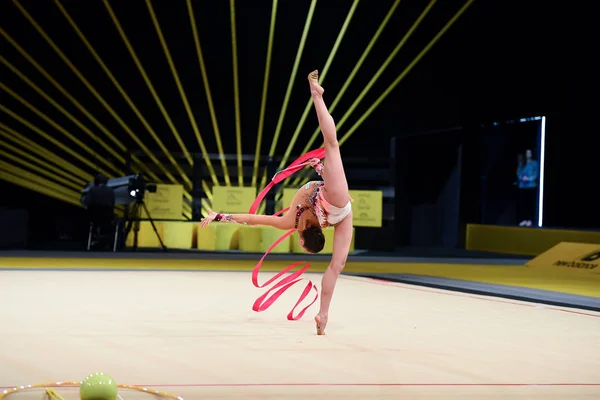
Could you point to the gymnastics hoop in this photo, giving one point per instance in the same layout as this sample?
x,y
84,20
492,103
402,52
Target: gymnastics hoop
x,y
264,302
49,386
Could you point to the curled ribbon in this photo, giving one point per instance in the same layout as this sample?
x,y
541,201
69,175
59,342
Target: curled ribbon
x,y
265,301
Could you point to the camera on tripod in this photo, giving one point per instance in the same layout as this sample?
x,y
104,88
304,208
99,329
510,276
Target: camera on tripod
x,y
137,187
129,191
126,189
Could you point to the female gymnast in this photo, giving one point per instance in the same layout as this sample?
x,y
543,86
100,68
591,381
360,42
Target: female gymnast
x,y
316,205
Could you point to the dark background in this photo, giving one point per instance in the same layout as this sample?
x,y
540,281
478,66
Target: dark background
x,y
500,60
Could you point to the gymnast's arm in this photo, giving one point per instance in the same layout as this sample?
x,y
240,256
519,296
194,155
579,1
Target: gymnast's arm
x,y
283,222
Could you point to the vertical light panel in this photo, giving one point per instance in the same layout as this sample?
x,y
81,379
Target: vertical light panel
x,y
157,99
211,107
322,74
542,161
384,66
288,92
236,95
348,81
184,99
261,118
291,82
121,90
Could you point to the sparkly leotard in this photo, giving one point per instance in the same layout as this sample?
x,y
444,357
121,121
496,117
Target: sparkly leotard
x,y
326,213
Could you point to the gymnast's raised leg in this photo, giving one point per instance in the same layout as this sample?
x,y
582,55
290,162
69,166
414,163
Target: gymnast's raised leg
x,y
334,176
336,193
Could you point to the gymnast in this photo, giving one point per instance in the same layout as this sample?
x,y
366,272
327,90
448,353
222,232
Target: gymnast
x,y
316,205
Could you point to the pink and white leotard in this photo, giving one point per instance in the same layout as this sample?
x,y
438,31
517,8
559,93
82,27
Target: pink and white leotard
x,y
326,213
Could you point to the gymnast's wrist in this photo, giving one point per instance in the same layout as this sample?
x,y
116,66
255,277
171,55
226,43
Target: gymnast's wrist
x,y
223,218
319,168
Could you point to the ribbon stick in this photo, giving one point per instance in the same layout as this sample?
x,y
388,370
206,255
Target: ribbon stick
x,y
265,301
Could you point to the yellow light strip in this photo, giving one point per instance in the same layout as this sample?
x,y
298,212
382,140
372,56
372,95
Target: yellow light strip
x,y
293,76
349,80
65,59
21,177
322,75
187,207
205,205
165,48
48,168
39,170
210,103
181,92
54,141
136,160
62,56
59,128
236,95
261,119
43,152
61,89
75,183
405,72
24,174
8,176
84,128
139,142
154,95
291,82
381,69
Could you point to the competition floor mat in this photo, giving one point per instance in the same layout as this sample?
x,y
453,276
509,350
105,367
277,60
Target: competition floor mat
x,y
194,334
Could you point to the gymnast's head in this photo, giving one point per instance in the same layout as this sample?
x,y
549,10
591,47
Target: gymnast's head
x,y
312,239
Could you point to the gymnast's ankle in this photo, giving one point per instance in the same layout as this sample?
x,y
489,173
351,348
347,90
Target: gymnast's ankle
x,y
316,90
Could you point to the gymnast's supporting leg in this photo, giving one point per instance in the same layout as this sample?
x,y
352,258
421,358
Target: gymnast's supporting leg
x,y
327,287
341,247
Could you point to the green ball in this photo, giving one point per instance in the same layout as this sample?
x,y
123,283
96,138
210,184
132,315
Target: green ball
x,y
98,386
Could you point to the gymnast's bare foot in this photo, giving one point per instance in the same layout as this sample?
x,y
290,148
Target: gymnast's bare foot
x,y
321,322
313,79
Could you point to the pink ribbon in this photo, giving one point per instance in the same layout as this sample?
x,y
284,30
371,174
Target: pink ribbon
x,y
297,165
264,302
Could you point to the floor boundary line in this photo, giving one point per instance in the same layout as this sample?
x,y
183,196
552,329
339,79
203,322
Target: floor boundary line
x,y
366,384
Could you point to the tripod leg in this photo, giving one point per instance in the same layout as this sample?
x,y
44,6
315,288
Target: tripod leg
x,y
137,215
134,222
154,227
129,224
89,244
116,237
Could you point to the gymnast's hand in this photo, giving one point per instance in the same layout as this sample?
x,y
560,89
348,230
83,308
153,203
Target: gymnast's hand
x,y
316,164
314,161
208,219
